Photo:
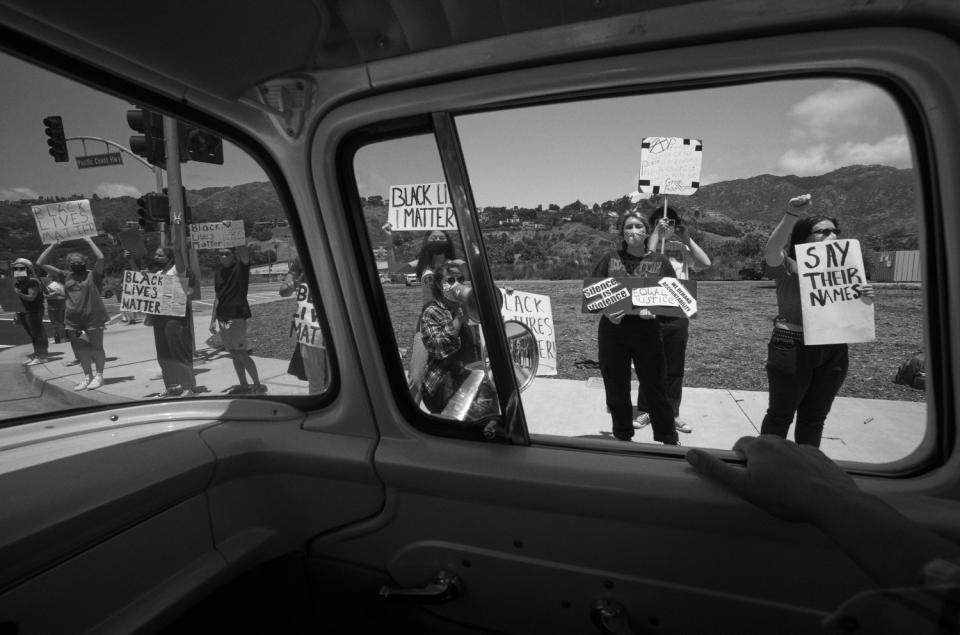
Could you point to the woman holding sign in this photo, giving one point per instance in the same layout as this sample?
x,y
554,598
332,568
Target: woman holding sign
x,y
173,334
85,316
636,338
803,379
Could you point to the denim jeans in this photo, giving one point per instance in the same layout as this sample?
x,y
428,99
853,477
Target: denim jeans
x,y
675,333
803,381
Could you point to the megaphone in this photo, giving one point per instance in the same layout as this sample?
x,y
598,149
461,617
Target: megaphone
x,y
463,294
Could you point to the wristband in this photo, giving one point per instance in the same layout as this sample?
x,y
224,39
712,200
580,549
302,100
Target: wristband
x,y
788,213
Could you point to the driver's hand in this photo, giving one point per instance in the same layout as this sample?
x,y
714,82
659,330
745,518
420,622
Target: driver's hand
x,y
800,201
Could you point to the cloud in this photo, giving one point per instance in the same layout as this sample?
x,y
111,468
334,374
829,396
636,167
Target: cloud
x,y
113,190
17,193
842,108
892,150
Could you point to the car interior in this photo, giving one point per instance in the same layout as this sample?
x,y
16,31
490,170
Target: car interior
x,y
352,504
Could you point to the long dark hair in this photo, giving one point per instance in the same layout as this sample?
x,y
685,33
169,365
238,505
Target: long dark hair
x,y
802,229
168,252
658,212
425,259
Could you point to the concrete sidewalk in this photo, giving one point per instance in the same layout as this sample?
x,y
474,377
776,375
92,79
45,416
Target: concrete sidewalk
x,y
856,430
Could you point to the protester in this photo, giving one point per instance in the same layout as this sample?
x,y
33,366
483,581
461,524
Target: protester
x,y
803,379
799,483
230,313
55,295
128,317
672,239
85,316
623,338
450,342
28,287
309,361
173,335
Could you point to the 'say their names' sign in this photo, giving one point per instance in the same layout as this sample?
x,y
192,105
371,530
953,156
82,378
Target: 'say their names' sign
x,y
832,276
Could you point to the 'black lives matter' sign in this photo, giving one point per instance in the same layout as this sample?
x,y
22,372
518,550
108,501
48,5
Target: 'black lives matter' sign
x,y
832,276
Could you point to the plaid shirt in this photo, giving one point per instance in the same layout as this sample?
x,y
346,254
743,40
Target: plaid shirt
x,y
442,342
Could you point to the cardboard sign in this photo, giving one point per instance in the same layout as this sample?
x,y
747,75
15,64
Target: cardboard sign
x,y
660,296
225,234
68,220
670,165
421,207
534,311
305,328
835,311
154,293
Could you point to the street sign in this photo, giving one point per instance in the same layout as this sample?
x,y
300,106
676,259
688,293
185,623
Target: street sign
x,y
99,160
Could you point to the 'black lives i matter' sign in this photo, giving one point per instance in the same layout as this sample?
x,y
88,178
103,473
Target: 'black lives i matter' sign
x,y
832,276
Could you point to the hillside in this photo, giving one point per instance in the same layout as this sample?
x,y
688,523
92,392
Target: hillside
x,y
730,219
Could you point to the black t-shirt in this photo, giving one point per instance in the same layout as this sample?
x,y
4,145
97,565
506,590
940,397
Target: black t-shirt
x,y
230,284
621,264
23,285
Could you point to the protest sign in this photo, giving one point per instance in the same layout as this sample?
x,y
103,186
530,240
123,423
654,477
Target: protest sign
x,y
421,207
67,220
534,311
661,296
304,327
132,241
154,293
220,235
670,165
835,311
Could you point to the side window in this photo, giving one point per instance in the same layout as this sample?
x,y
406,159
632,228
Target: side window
x,y
702,265
125,277
426,279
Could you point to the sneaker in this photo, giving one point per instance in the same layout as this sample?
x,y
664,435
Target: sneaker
x,y
681,426
28,360
34,361
83,383
96,382
186,394
241,389
173,391
642,421
258,389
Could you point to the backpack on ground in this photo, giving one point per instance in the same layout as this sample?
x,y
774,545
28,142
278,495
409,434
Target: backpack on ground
x,y
912,372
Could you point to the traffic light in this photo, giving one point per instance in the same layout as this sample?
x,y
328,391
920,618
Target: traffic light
x,y
148,144
197,145
56,139
152,209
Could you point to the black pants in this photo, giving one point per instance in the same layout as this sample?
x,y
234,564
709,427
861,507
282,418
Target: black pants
x,y
803,380
173,338
675,333
638,341
33,324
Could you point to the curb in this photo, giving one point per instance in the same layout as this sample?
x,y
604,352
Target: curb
x,y
51,386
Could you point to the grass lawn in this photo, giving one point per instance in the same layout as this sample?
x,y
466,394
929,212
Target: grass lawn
x,y
728,339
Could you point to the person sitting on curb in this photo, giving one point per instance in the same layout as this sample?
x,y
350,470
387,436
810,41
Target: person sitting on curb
x,y
85,316
230,313
917,570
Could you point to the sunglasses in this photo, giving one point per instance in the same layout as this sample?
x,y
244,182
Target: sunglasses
x,y
453,279
826,232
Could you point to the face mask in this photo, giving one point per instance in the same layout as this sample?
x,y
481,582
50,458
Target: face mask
x,y
435,247
78,267
160,262
19,273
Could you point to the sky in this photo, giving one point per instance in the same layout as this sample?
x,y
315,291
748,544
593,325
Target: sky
x,y
587,150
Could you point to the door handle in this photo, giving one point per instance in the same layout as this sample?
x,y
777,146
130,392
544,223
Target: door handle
x,y
610,617
444,588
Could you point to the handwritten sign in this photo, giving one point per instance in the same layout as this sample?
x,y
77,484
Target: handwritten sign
x,y
835,311
68,220
221,235
660,296
670,165
534,311
304,327
154,293
421,207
